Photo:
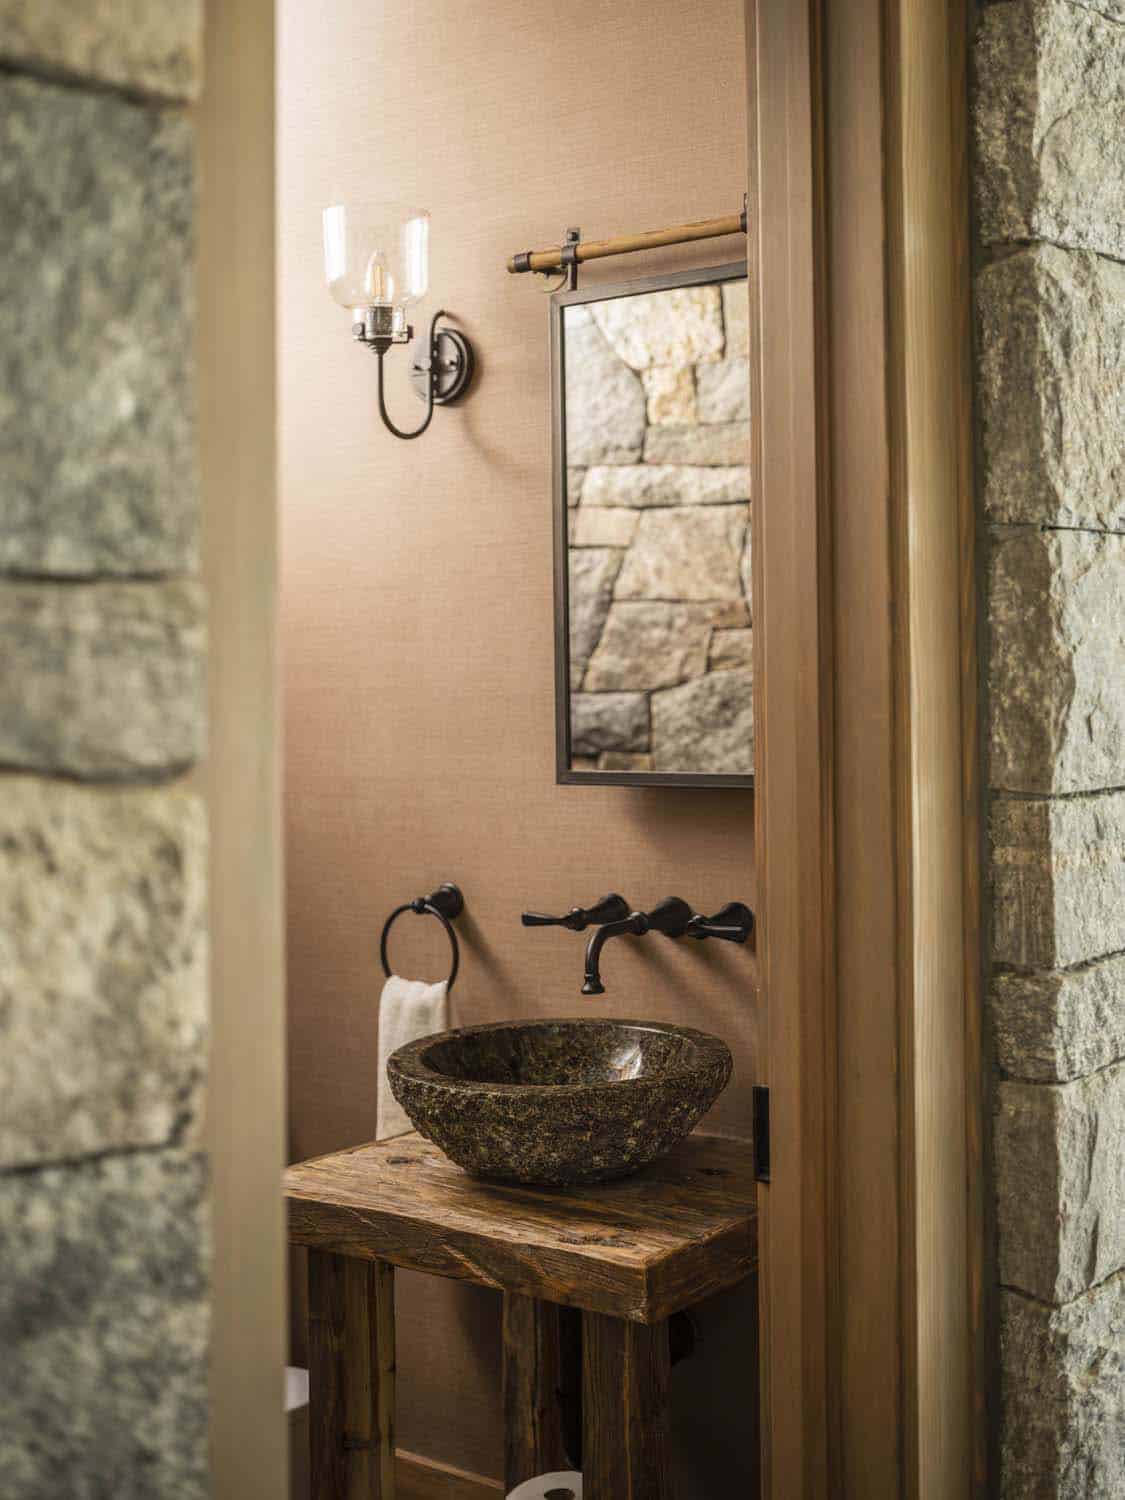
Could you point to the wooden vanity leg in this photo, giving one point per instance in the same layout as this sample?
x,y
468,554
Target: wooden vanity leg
x,y
533,1441
626,1385
351,1378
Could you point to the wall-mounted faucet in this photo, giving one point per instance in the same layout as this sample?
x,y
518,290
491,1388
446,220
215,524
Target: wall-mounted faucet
x,y
671,917
734,923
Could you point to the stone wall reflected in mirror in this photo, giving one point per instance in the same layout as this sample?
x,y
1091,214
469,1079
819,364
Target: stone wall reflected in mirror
x,y
657,492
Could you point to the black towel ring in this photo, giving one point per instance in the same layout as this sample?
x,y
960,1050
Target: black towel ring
x,y
445,904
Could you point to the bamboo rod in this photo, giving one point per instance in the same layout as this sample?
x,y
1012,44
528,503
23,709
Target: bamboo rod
x,y
625,244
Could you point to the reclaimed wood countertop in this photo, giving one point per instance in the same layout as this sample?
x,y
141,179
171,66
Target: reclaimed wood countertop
x,y
641,1248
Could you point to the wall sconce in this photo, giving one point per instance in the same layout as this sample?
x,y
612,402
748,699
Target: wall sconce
x,y
376,263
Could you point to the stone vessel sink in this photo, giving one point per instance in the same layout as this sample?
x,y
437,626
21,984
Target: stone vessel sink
x,y
559,1102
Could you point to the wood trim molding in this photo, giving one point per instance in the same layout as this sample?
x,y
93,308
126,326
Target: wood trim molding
x,y
793,799
935,722
864,1328
242,773
866,804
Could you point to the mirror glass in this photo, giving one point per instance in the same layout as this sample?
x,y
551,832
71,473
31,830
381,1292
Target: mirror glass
x,y
652,496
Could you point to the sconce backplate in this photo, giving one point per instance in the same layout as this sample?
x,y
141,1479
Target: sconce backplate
x,y
454,355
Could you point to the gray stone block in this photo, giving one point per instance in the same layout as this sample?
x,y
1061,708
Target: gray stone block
x,y
684,555
675,327
1050,125
644,486
1051,388
1056,609
731,648
103,969
608,721
1058,880
706,725
713,443
104,681
1059,1154
736,318
655,645
129,44
598,526
670,390
1062,1373
605,400
1058,1026
592,573
97,431
103,1323
724,391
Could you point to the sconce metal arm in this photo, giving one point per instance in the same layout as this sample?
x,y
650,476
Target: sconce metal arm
x,y
381,347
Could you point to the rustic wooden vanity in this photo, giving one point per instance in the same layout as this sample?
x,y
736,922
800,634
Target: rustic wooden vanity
x,y
628,1254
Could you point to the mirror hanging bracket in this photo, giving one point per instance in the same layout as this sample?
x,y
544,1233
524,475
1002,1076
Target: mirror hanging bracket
x,y
568,258
568,265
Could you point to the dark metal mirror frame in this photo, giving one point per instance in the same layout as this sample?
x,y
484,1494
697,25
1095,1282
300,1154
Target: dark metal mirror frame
x,y
564,775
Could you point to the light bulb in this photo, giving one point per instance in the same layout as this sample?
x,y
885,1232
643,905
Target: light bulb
x,y
378,283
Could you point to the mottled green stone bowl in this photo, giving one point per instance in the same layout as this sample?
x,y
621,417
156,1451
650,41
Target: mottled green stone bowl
x,y
559,1102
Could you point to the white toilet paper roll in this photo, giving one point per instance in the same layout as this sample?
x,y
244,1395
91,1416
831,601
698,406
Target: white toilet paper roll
x,y
549,1487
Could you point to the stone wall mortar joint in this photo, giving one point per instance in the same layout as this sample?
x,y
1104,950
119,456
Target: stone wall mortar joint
x,y
1095,1286
156,780
1060,1083
174,1142
994,252
1012,794
79,580
1031,971
1001,529
83,83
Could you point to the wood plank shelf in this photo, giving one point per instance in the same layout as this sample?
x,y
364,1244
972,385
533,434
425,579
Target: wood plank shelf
x,y
641,1248
629,1254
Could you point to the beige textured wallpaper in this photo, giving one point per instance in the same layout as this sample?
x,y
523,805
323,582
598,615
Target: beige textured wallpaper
x,y
417,603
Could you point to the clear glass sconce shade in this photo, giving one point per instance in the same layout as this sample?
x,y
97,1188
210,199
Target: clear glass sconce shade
x,y
376,255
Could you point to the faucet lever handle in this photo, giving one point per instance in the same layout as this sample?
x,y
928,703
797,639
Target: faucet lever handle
x,y
611,908
670,916
734,923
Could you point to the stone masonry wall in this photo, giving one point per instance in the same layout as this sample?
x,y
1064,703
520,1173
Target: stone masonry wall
x,y
1050,307
658,489
103,989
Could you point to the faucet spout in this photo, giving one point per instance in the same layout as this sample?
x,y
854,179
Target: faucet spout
x,y
670,917
637,924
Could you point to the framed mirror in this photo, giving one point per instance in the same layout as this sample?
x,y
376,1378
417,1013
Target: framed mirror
x,y
651,454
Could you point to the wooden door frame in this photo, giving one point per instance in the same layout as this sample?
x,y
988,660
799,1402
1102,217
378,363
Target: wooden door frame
x,y
241,777
871,1289
866,805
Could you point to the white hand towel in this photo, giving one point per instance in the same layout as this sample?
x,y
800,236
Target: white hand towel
x,y
408,1009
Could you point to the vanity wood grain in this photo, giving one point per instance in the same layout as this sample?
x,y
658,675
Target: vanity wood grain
x,y
533,1432
639,1249
626,1388
352,1372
